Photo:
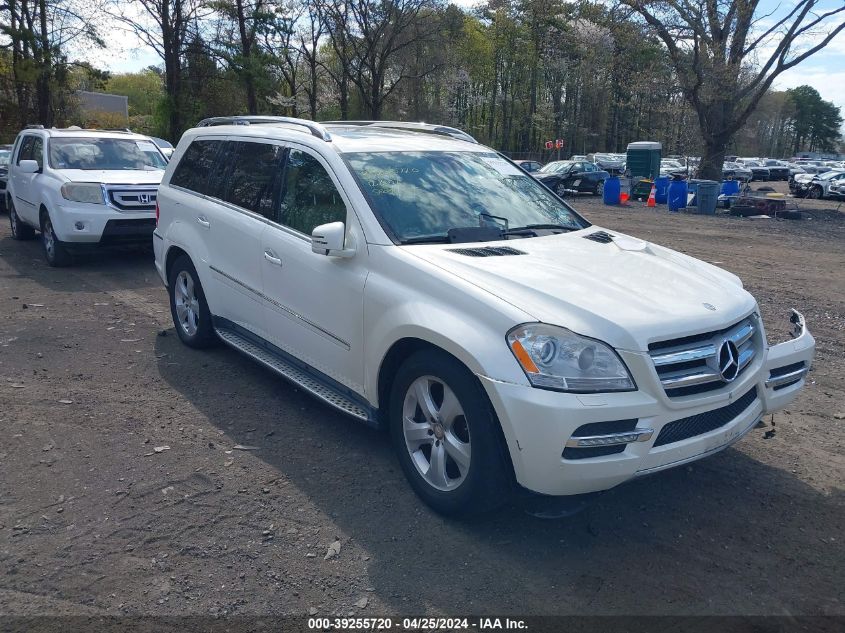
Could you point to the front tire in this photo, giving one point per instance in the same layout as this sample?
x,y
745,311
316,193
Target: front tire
x,y
188,306
599,190
55,252
20,231
560,190
815,193
446,436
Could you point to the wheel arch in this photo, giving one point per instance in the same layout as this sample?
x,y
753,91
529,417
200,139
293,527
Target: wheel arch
x,y
173,253
403,349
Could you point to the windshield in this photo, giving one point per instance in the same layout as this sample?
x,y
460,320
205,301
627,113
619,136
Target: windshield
x,y
105,154
425,194
5,156
558,165
828,175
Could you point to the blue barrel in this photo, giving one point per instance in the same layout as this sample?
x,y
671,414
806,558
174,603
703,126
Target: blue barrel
x,y
708,195
677,195
730,187
661,189
612,190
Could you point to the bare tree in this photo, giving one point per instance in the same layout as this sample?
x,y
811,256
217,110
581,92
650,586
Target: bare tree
x,y
164,26
376,31
309,47
713,45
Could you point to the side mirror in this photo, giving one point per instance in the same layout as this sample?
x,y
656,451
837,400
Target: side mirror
x,y
328,239
29,167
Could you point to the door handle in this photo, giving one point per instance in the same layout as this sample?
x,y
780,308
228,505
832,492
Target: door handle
x,y
271,257
203,221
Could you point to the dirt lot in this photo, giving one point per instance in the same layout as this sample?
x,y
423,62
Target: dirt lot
x,y
94,521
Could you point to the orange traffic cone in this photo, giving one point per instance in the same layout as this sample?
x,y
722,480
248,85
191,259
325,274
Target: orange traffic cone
x,y
652,197
623,198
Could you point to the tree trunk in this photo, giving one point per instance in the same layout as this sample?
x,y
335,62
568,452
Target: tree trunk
x,y
45,113
715,148
246,51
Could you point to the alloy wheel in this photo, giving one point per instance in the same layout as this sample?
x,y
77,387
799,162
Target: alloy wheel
x,y
436,433
49,239
186,302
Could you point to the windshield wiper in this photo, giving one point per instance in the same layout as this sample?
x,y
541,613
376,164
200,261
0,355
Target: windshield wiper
x,y
530,228
427,239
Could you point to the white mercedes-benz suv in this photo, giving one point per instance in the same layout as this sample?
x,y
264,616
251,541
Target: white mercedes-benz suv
x,y
412,278
82,188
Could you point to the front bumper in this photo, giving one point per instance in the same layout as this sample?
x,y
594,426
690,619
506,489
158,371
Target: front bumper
x,y
82,223
538,424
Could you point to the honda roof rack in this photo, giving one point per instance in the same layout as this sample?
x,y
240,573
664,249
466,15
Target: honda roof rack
x,y
315,128
34,126
425,128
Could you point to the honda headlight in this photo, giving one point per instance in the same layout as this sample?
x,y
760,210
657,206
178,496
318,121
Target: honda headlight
x,y
555,358
90,192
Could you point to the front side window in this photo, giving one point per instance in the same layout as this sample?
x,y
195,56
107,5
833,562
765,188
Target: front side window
x,y
253,180
25,152
425,194
116,154
310,197
193,170
38,151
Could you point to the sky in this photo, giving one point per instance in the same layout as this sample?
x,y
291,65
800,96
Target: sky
x,y
824,71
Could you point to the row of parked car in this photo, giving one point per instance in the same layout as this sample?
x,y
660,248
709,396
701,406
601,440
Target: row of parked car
x,y
419,282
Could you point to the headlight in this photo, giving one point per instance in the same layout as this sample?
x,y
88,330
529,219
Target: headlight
x,y
555,358
90,192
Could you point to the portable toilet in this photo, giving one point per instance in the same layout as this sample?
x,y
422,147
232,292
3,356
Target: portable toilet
x,y
644,159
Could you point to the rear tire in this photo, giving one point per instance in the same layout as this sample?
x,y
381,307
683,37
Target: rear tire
x,y
20,231
55,251
599,190
447,436
188,306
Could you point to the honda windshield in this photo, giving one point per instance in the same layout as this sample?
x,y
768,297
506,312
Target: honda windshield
x,y
105,154
427,194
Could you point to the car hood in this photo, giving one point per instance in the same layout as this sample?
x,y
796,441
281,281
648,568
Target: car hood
x,y
627,292
113,177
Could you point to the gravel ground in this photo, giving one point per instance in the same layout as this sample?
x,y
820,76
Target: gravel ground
x,y
123,489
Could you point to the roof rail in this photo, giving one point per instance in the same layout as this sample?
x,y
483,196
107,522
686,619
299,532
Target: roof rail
x,y
315,128
34,126
425,128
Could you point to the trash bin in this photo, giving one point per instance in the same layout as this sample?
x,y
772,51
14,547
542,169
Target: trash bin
x,y
708,196
730,187
612,190
661,189
677,195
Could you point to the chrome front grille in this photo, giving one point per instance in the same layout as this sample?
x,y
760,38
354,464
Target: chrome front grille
x,y
704,362
132,198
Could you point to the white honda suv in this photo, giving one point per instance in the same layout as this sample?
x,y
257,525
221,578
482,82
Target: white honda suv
x,y
412,278
82,188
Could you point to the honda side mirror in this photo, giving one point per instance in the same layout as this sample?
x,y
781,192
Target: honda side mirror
x,y
328,239
29,167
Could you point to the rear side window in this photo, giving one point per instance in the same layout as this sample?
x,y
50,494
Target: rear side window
x,y
254,180
310,197
193,170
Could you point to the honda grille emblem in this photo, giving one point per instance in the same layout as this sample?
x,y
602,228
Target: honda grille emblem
x,y
728,361
144,198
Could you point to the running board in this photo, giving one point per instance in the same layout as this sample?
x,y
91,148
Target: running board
x,y
301,378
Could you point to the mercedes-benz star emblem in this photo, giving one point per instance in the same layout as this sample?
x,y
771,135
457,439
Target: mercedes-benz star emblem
x,y
728,361
144,198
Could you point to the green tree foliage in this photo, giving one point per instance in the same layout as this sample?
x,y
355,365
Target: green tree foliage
x,y
815,123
